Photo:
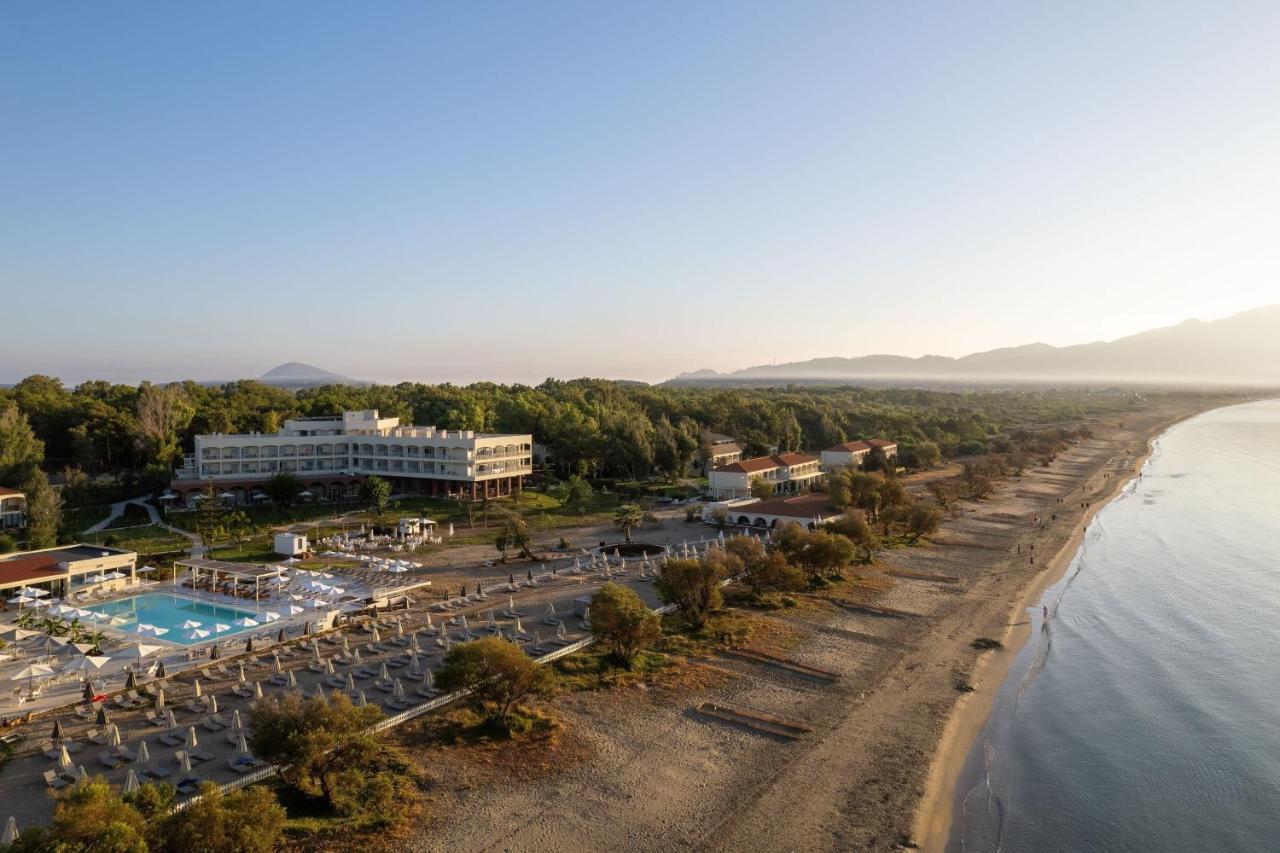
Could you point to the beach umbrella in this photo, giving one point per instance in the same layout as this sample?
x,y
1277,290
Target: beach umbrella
x,y
215,653
184,763
31,672
346,647
146,630
236,723
135,651
377,636
248,646
399,691
86,663
170,721
240,673
429,681
131,680
247,622
145,570
276,666
280,636
293,680
82,774
113,735
131,782
383,674
10,832
21,600
293,610
356,658
361,701
213,704
257,690
270,616
195,688
191,741
351,682
160,670
102,719
87,694
197,634
144,753
64,758
413,659
242,745
219,627
318,692
33,591
159,699
328,668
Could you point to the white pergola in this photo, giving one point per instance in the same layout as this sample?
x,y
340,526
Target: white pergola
x,y
239,572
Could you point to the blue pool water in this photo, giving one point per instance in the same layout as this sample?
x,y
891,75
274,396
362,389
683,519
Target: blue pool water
x,y
169,611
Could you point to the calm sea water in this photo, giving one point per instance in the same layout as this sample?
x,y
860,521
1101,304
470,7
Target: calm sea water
x,y
1144,713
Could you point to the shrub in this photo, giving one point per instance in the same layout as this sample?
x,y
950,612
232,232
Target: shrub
x,y
499,672
622,622
694,585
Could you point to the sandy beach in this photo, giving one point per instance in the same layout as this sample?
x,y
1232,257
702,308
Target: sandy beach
x,y
637,767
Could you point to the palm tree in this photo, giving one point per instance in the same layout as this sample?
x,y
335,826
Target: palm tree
x,y
25,619
630,516
96,638
75,629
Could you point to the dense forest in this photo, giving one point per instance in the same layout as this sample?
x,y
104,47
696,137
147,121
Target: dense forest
x,y
594,427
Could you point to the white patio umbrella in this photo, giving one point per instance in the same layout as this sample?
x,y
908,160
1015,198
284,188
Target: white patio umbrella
x,y
240,673
33,591
399,690
191,741
11,833
144,753
95,579
189,624
159,699
64,758
293,679
145,570
131,782
236,724
213,704
361,701
82,773
197,634
270,616
184,763
246,622
86,663
115,576
293,610
32,672
136,651
195,688
170,721
219,627
242,745
22,600
257,690
113,735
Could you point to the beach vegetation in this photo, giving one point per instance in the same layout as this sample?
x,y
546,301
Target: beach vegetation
x,y
693,585
622,623
499,675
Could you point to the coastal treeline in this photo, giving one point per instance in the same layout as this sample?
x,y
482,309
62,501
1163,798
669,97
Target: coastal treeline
x,y
596,428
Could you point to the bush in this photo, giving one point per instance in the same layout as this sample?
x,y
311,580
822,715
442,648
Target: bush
x,y
7,543
694,585
622,622
500,674
246,821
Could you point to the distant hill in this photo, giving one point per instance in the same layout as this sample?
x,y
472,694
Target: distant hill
x,y
294,374
1239,350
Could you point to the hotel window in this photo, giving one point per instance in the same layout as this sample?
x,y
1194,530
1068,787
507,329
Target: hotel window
x,y
397,465
381,450
250,453
340,448
324,450
288,466
308,465
269,467
209,453
306,450
412,450
412,465
270,452
429,452
397,450
213,468
288,450
231,467
231,453
250,467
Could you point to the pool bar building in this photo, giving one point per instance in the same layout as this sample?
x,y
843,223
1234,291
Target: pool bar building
x,y
68,569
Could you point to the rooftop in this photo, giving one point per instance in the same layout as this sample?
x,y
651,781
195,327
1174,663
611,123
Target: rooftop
x,y
799,507
6,492
850,447
240,570
765,463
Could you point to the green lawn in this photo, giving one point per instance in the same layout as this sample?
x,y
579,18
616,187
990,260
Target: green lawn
x,y
147,539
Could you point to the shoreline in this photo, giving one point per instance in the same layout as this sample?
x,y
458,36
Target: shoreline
x,y
932,822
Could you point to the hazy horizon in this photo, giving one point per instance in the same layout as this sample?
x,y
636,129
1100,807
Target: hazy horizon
x,y
409,192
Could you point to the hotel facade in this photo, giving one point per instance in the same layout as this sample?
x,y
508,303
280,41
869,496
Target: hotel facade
x,y
787,473
332,455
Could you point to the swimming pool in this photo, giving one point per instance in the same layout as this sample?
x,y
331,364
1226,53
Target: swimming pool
x,y
169,612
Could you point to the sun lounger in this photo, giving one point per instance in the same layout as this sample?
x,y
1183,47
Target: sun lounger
x,y
100,738
156,773
427,692
53,780
244,691
210,726
123,752
171,738
109,760
384,686
85,712
200,755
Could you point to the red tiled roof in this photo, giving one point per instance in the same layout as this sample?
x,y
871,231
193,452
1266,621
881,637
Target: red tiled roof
x,y
850,447
28,570
794,458
725,448
6,492
881,443
800,506
748,466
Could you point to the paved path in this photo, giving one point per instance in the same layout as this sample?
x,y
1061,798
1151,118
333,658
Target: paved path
x,y
117,510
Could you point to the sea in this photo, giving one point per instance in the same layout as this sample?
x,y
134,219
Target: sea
x,y
1144,712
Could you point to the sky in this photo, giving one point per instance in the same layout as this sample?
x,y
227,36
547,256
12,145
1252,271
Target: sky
x,y
511,191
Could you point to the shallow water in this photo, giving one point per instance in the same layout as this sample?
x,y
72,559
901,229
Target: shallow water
x,y
1144,713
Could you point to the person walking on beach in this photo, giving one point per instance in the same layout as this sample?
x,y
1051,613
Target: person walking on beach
x,y
1046,611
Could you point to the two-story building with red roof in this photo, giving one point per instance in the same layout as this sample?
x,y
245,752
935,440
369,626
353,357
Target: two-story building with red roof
x,y
788,473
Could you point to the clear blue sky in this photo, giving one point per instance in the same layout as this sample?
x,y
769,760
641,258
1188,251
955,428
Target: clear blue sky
x,y
516,190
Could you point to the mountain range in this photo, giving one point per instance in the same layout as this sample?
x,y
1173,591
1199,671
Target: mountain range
x,y
1240,350
294,374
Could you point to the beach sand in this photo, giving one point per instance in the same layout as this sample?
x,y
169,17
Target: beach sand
x,y
646,772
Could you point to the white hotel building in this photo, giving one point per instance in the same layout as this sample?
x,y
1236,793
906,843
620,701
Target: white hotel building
x,y
332,455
